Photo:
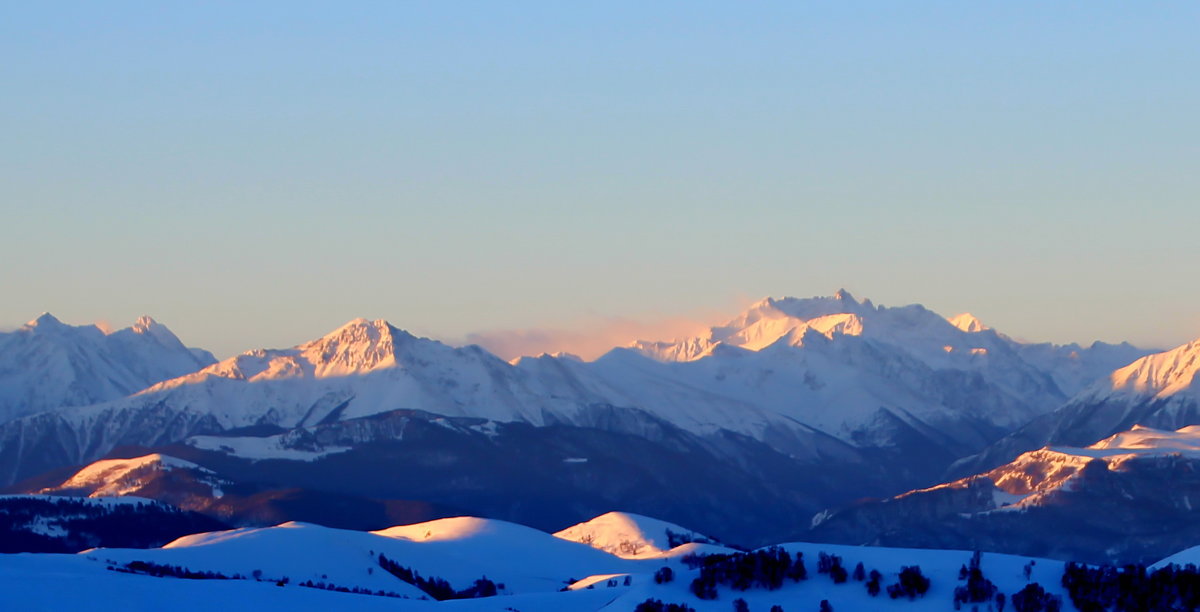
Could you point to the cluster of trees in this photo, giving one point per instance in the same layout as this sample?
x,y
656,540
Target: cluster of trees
x,y
977,589
832,565
158,570
1094,589
675,538
87,524
341,589
439,588
654,605
912,584
766,569
873,586
1033,598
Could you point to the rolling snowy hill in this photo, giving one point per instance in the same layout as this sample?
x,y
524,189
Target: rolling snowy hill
x,y
632,536
297,566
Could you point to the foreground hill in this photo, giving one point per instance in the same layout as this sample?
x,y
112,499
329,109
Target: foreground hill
x,y
468,563
631,536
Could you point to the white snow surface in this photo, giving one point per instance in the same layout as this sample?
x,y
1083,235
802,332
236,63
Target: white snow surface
x,y
534,566
1161,375
269,447
1183,557
459,550
48,365
628,535
968,322
112,477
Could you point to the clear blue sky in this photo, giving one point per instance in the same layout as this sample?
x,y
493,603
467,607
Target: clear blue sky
x,y
254,174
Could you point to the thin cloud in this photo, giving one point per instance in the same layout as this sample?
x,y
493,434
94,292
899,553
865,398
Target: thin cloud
x,y
589,339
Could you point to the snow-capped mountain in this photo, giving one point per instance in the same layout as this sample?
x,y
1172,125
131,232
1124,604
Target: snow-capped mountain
x,y
48,365
1132,497
370,367
1159,390
850,368
817,379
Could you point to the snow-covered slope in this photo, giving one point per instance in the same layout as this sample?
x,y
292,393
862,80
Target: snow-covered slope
x,y
631,536
1170,374
1128,497
1035,476
1160,391
530,564
121,477
47,365
459,550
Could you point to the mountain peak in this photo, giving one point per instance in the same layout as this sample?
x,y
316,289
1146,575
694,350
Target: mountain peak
x,y
356,347
144,322
968,323
45,321
361,325
1162,374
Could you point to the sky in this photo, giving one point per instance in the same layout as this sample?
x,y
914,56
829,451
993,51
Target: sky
x,y
254,174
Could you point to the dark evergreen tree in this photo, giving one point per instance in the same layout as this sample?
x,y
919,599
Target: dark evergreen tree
x,y
873,583
860,572
797,571
912,583
650,605
977,588
664,575
740,605
1033,598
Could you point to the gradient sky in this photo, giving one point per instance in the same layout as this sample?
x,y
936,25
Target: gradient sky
x,y
255,174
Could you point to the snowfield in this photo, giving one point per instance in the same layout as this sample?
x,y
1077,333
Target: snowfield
x,y
539,572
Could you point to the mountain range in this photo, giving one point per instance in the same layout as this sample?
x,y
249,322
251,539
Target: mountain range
x,y
46,365
793,409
